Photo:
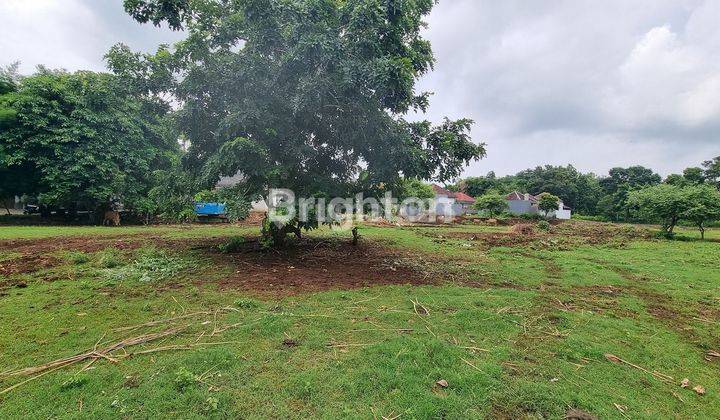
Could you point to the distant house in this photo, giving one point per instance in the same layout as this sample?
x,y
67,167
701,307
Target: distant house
x,y
519,203
452,203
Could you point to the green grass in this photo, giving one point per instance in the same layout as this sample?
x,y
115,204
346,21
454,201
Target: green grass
x,y
528,341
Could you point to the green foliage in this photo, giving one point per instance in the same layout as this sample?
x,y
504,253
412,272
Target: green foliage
x,y
171,195
548,203
109,258
712,171
408,188
78,257
234,244
543,225
703,206
247,303
83,138
185,379
579,191
150,265
300,94
237,203
478,186
493,203
158,11
663,203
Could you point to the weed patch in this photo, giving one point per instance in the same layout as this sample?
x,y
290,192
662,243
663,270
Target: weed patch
x,y
150,265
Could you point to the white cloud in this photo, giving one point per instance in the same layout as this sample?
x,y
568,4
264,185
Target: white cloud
x,y
596,84
70,34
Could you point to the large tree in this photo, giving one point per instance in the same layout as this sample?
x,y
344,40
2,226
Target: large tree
x,y
300,94
80,138
703,206
579,191
662,203
548,203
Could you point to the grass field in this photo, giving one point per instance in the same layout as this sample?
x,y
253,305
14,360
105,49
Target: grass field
x,y
518,325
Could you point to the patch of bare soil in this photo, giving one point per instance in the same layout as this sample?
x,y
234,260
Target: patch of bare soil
x,y
562,236
485,239
315,266
70,243
662,308
596,233
26,264
596,298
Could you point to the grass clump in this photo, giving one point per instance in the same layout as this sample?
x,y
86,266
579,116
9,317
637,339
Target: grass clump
x,y
247,304
185,379
78,258
109,258
234,244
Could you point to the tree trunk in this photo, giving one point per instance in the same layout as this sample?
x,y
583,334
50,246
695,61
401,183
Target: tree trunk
x,y
702,231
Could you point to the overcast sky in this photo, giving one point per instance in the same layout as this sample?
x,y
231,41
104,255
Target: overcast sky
x,y
597,84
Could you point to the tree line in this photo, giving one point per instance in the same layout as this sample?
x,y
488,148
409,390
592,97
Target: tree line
x,y
633,194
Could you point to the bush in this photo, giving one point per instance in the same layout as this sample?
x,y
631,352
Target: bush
x,y
185,379
543,225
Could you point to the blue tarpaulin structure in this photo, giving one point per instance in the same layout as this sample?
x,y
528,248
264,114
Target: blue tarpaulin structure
x,y
210,209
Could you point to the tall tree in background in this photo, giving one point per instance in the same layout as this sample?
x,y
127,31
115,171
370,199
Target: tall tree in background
x,y
712,171
80,138
479,185
618,184
300,94
580,192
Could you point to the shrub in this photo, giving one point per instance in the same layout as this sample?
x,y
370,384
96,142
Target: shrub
x,y
185,379
543,225
492,204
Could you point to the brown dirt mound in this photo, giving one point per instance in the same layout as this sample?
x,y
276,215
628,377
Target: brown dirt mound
x,y
316,266
523,229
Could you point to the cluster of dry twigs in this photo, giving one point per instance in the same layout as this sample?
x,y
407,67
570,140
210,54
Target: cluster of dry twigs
x,y
118,349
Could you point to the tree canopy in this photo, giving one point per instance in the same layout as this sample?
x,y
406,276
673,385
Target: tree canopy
x,y
300,94
663,203
548,203
712,171
80,138
492,203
